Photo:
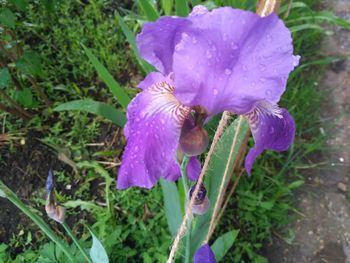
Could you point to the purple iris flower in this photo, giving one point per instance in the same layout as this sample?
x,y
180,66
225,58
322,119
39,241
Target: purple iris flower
x,y
204,254
220,60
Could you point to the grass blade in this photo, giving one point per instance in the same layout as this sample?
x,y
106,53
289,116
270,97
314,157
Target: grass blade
x,y
130,37
167,6
181,7
172,205
149,10
103,73
99,108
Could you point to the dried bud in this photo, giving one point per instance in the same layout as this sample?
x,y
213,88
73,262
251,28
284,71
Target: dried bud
x,y
53,210
193,141
201,201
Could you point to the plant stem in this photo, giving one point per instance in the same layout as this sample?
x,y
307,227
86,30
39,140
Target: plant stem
x,y
183,169
76,242
12,197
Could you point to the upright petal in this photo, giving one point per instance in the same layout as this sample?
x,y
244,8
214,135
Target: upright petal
x,y
228,59
157,41
273,128
154,124
204,255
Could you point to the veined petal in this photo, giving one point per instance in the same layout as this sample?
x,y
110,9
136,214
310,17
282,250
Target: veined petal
x,y
154,124
157,41
273,128
204,255
229,59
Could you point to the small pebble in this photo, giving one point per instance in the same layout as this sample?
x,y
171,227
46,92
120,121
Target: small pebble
x,y
341,159
68,186
342,187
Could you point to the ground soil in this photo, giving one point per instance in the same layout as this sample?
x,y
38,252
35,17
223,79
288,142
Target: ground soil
x,y
322,234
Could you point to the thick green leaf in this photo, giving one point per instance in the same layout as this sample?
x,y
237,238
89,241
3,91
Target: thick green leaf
x,y
149,10
5,77
30,64
214,176
167,6
103,73
130,37
98,253
181,7
25,98
223,244
21,4
95,107
172,205
7,18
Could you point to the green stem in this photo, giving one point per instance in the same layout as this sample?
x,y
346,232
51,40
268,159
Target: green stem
x,y
76,242
12,197
183,169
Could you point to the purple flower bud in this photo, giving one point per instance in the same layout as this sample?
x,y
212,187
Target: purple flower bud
x,y
204,254
201,201
195,141
49,182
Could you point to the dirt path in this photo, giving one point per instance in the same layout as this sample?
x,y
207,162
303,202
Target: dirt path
x,y
323,234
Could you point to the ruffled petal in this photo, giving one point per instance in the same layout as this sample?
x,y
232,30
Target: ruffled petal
x,y
154,124
229,59
273,128
157,41
154,77
204,255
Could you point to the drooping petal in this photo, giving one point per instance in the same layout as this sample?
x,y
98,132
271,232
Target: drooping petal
x,y
229,59
157,41
154,124
204,255
273,128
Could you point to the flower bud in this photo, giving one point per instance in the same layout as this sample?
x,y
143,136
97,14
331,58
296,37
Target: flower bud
x,y
194,141
53,210
201,201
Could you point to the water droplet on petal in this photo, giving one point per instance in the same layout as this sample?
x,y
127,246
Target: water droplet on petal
x,y
136,149
208,54
244,67
215,92
194,40
262,79
228,71
234,46
268,93
262,67
224,37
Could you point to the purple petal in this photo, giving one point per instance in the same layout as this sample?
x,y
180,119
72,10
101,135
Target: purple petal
x,y
204,255
154,124
157,41
228,59
154,77
193,169
272,129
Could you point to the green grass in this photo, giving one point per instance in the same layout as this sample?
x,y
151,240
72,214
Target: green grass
x,y
137,230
